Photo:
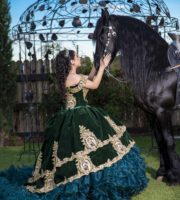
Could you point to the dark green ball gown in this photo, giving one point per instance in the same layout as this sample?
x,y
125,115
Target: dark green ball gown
x,y
85,155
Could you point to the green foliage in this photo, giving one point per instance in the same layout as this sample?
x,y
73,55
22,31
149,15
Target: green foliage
x,y
114,98
7,70
116,68
86,65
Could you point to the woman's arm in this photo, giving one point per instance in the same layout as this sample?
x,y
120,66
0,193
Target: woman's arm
x,y
92,73
94,84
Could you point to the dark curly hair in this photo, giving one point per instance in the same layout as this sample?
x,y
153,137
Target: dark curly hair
x,y
62,68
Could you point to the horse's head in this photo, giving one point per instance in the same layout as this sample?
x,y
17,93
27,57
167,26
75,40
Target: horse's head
x,y
105,38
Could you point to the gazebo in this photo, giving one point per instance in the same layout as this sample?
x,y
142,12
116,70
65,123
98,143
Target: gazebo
x,y
43,29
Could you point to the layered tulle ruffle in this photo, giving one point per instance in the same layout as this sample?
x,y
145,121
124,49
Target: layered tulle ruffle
x,y
121,181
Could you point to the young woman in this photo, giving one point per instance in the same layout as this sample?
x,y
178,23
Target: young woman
x,y
85,154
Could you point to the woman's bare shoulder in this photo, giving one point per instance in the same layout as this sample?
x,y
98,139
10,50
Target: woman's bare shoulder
x,y
72,80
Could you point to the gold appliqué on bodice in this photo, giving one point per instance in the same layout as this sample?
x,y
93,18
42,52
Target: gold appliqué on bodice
x,y
71,100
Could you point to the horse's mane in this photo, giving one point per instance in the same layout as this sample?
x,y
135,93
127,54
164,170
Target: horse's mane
x,y
143,51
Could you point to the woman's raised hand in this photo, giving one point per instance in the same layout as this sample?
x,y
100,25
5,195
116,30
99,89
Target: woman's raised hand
x,y
104,62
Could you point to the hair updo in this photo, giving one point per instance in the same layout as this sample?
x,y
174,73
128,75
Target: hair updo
x,y
62,68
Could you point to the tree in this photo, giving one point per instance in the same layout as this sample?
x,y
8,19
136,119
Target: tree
x,y
7,73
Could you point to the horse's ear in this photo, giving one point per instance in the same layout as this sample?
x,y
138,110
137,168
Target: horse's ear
x,y
105,15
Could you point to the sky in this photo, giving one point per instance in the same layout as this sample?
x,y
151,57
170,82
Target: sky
x,y
19,6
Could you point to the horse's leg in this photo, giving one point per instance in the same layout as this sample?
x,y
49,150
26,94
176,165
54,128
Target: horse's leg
x,y
171,159
155,126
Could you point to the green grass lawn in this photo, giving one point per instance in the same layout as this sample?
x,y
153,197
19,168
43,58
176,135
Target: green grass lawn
x,y
155,191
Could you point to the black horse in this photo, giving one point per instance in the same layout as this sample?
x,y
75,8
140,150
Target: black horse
x,y
144,61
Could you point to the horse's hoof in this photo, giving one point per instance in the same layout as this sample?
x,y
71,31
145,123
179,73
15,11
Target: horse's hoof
x,y
160,178
173,177
161,173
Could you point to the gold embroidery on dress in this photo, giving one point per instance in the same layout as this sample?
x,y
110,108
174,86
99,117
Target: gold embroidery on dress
x,y
118,129
48,183
84,168
71,101
49,180
83,162
85,90
36,174
88,138
118,146
84,165
54,156
79,87
48,175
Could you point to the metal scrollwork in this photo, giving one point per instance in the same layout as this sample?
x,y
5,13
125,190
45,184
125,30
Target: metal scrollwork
x,y
75,19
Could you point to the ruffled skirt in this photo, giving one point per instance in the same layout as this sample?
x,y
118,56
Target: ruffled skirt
x,y
121,181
